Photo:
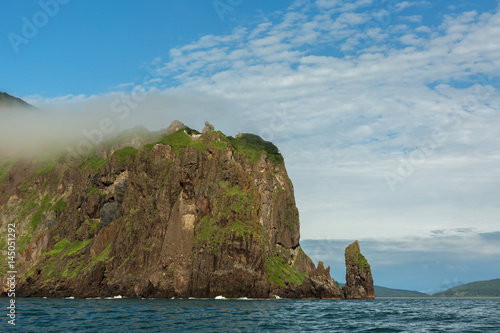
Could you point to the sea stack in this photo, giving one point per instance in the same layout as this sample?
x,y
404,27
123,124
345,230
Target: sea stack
x,y
359,280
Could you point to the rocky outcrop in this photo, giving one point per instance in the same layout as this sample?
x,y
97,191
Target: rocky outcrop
x,y
208,127
174,127
359,281
180,217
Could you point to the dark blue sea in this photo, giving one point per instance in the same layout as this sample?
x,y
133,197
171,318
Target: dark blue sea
x,y
224,315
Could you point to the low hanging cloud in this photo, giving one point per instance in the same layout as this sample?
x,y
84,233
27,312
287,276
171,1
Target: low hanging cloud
x,y
78,123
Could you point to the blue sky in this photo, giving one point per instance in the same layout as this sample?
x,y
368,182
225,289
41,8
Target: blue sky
x,y
386,111
91,46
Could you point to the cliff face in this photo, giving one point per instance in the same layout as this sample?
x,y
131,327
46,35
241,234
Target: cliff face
x,y
359,281
176,218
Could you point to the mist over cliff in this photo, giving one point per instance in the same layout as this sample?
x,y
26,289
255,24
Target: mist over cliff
x,y
64,124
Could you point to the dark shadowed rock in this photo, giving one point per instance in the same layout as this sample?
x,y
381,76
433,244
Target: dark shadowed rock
x,y
359,281
110,212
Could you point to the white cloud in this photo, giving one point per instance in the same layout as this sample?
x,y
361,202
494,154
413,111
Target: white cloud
x,y
399,6
123,85
424,29
353,18
342,6
343,120
412,39
403,4
412,18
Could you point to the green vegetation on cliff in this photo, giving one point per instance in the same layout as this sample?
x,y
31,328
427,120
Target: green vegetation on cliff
x,y
176,140
92,225
235,215
355,256
94,162
250,145
59,247
103,256
124,153
362,261
77,246
253,146
59,206
44,206
282,273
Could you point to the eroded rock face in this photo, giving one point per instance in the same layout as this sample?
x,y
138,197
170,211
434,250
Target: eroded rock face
x,y
178,218
359,281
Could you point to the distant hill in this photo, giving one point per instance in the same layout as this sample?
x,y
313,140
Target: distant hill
x,y
388,292
490,288
8,101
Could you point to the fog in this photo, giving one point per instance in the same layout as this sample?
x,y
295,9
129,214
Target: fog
x,y
78,126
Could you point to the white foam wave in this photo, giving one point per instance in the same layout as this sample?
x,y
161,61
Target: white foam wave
x,y
220,297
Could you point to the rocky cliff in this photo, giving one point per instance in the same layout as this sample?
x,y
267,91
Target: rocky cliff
x,y
189,215
359,281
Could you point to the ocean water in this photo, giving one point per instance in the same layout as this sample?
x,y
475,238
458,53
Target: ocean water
x,y
225,315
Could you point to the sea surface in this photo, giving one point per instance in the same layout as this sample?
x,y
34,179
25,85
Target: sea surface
x,y
229,315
